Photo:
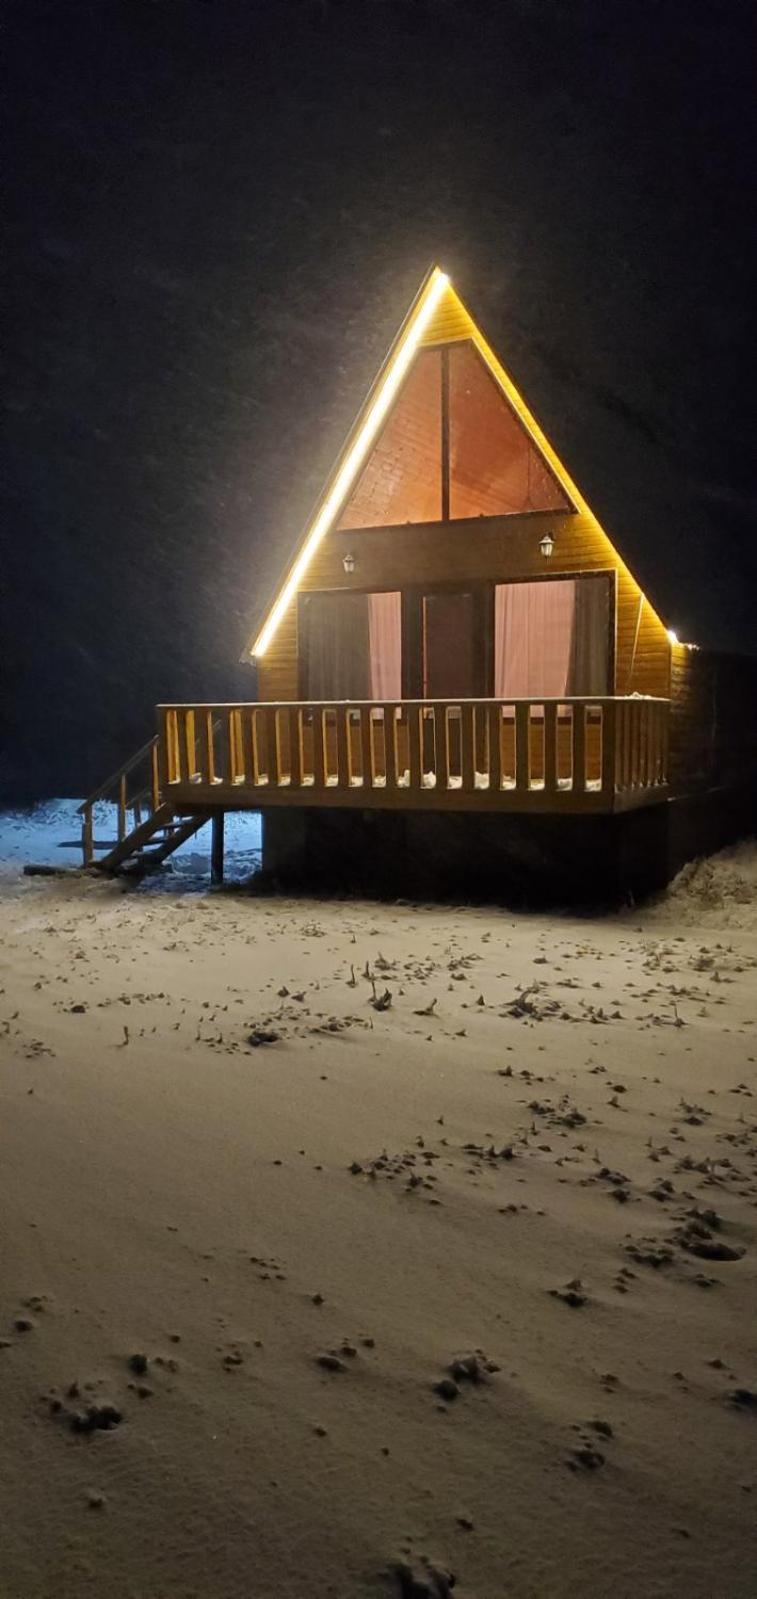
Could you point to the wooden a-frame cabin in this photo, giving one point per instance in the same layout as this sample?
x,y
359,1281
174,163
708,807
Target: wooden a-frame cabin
x,y
457,670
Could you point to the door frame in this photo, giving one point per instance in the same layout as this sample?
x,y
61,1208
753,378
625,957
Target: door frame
x,y
413,596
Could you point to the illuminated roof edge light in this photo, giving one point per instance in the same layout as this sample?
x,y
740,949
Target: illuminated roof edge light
x,y
356,454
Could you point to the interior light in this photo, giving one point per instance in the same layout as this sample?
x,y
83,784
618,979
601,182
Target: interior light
x,y
546,545
357,453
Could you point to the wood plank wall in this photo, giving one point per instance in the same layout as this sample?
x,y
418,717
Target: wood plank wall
x,y
713,719
494,549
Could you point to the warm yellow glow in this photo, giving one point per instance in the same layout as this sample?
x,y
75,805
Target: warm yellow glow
x,y
355,457
439,316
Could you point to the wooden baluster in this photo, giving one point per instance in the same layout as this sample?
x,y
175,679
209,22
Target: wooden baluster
x,y
522,752
414,747
186,755
218,740
390,745
550,748
579,747
626,746
204,747
155,776
354,740
275,750
121,808
87,836
319,749
342,749
236,748
250,746
495,748
165,746
436,744
295,746
366,744
618,767
665,750
468,748
608,748
267,743
635,731
178,746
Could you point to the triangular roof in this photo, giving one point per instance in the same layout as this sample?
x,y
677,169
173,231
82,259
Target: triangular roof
x,y
437,316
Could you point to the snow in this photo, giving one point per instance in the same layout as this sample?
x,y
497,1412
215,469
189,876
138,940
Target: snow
x,y
49,834
418,1164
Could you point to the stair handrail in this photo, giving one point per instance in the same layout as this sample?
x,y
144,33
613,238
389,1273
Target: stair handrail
x,y
118,782
123,771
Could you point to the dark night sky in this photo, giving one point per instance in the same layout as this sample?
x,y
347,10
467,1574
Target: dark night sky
x,y
217,214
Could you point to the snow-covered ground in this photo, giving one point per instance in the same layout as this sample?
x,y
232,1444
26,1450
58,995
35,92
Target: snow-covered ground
x,y
49,834
347,1248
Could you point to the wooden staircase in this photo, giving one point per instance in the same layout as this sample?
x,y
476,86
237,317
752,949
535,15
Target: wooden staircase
x,y
148,829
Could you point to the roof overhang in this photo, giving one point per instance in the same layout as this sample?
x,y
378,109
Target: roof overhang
x,y
437,315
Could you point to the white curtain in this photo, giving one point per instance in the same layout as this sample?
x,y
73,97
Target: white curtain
x,y
551,638
352,646
336,646
385,634
589,662
533,633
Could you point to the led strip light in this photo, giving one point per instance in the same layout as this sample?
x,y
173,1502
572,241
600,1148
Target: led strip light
x,y
357,453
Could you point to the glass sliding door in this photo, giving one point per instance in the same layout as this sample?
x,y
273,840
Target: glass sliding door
x,y
350,646
552,638
448,645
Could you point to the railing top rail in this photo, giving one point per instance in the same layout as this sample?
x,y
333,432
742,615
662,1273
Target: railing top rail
x,y
533,699
123,771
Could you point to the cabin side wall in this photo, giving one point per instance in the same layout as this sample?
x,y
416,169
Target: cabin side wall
x,y
713,719
488,549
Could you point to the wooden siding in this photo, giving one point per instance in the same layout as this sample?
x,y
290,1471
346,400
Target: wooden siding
x,y
450,321
713,719
490,549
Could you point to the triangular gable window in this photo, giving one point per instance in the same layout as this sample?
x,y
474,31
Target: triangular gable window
x,y
452,447
402,481
495,469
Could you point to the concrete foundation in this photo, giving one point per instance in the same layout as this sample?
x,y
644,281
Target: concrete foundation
x,y
505,859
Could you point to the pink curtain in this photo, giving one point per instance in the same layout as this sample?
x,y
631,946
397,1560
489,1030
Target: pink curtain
x,y
385,631
533,633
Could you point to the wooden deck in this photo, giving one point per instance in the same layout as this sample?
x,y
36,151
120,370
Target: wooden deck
x,y
560,756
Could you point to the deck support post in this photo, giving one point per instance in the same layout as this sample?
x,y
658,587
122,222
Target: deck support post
x,y
216,846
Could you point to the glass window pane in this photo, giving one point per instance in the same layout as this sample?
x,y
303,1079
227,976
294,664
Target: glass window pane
x,y
402,479
385,628
449,670
495,469
551,638
351,646
335,646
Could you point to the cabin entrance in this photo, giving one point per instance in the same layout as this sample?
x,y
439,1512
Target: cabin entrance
x,y
545,638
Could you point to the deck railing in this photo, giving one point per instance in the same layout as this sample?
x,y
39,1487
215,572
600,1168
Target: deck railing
x,y
134,792
572,753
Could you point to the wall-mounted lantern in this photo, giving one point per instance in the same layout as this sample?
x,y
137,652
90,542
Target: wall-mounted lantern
x,y
349,562
546,545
